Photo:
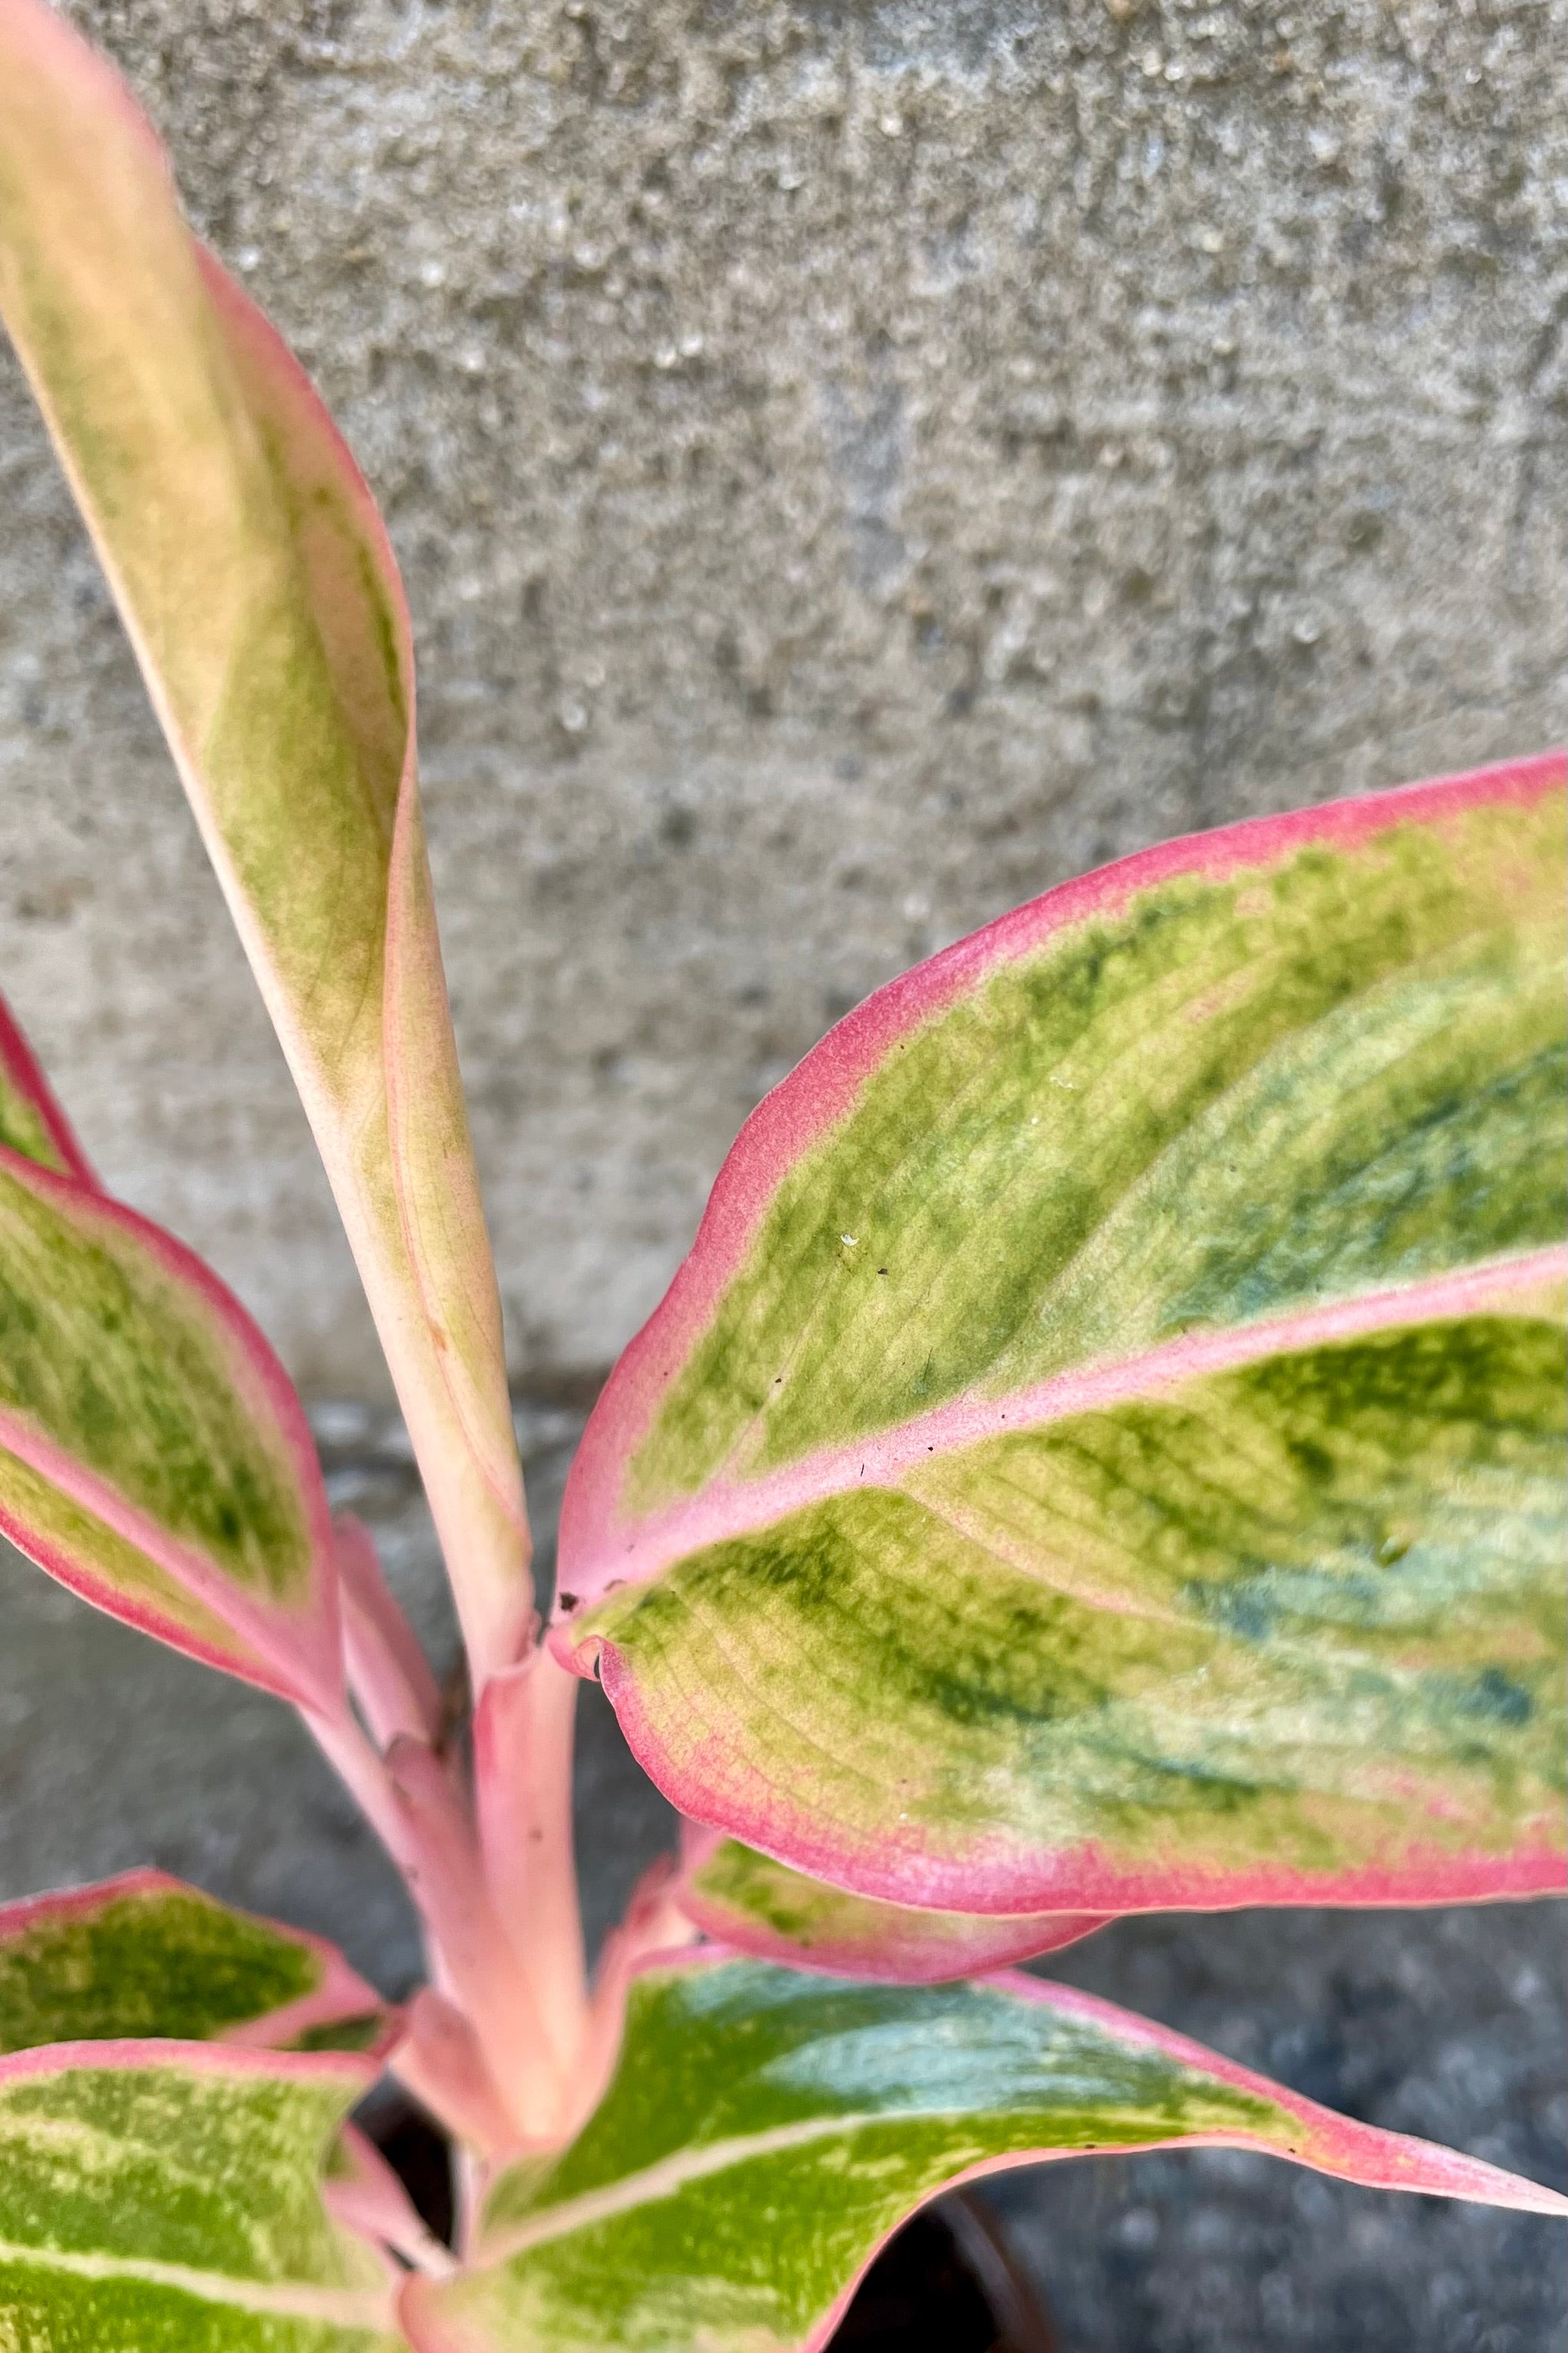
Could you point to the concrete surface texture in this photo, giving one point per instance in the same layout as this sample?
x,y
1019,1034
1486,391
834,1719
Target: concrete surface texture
x,y
854,465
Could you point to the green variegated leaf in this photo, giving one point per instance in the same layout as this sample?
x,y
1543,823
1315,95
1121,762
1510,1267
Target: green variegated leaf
x,y
765,2130
263,600
143,1955
1104,1450
158,2197
760,1906
152,1454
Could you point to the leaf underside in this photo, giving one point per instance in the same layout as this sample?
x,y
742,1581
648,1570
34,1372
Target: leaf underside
x,y
144,1956
162,2196
766,2129
760,1906
1104,1450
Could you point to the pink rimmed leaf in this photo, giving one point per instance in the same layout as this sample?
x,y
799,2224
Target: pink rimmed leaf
x,y
31,1120
145,1956
1103,1450
152,1454
765,2131
260,592
171,2194
757,1905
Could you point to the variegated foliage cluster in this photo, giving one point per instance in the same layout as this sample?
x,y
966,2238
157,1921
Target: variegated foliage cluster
x,y
1103,1452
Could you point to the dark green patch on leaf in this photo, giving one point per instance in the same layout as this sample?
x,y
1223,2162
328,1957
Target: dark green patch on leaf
x,y
156,1961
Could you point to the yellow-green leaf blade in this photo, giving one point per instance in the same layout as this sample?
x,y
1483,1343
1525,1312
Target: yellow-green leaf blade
x,y
1104,1448
1294,1628
765,2130
152,1454
144,1956
170,2196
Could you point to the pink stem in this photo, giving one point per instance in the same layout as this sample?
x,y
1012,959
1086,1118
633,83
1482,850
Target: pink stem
x,y
359,1765
522,1791
413,1809
482,1965
388,1673
440,2062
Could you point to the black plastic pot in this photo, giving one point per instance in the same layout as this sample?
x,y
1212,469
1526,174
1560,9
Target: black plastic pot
x,y
417,2152
946,2284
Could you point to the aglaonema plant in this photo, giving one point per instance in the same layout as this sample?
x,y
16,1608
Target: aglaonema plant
x,y
1102,1453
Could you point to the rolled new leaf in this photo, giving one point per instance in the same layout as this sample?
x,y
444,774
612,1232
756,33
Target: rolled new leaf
x,y
260,592
144,1956
154,1456
757,1905
1103,1450
161,2195
766,2130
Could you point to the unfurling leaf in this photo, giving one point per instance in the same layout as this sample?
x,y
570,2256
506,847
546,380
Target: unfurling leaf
x,y
145,1956
748,1901
159,2195
765,2130
261,595
152,1454
1103,1450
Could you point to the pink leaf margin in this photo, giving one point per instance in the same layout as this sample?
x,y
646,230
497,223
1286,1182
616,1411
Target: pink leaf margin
x,y
19,1067
823,1087
893,1948
1000,1875
348,2068
1363,2154
341,1993
296,1655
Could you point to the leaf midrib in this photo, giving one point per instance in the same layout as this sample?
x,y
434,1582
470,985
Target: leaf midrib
x,y
365,2308
1436,965
888,1457
670,2175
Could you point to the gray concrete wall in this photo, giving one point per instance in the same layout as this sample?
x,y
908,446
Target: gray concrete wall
x,y
854,465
